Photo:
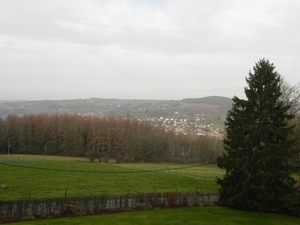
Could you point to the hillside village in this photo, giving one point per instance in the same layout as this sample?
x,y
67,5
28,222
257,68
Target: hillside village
x,y
180,121
179,125
202,117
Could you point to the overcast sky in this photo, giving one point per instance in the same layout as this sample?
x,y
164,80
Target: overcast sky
x,y
142,49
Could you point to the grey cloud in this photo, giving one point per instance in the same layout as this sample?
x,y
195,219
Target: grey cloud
x,y
116,48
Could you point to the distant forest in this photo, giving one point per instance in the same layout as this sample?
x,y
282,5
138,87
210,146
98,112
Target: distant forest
x,y
103,139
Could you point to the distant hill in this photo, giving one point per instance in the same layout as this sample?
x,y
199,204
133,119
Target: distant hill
x,y
223,102
207,110
18,100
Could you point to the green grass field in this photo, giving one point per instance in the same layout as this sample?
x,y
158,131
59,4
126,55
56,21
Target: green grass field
x,y
212,215
38,177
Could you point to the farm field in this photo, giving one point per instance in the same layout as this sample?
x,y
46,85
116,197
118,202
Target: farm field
x,y
40,177
188,216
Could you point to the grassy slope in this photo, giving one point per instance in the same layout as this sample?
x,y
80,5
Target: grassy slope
x,y
104,179
52,184
187,216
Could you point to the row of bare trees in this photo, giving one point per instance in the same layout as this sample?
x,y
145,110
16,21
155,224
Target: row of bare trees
x,y
125,140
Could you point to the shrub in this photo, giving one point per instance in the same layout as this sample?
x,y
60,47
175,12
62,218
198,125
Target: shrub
x,y
291,204
92,155
173,198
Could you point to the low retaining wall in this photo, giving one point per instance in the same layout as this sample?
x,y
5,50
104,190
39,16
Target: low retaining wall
x,y
62,206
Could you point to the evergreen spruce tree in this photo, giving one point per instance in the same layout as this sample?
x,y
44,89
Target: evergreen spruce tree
x,y
258,145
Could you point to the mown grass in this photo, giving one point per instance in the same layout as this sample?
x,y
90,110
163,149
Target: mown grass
x,y
212,215
39,177
20,157
207,172
115,179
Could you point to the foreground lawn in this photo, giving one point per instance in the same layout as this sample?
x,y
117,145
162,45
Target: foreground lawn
x,y
187,216
38,177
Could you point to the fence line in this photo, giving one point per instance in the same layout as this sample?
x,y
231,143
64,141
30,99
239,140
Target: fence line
x,y
64,206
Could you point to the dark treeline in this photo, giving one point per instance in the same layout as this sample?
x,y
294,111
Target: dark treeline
x,y
125,140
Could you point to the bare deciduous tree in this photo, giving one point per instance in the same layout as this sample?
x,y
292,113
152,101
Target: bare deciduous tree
x,y
291,95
